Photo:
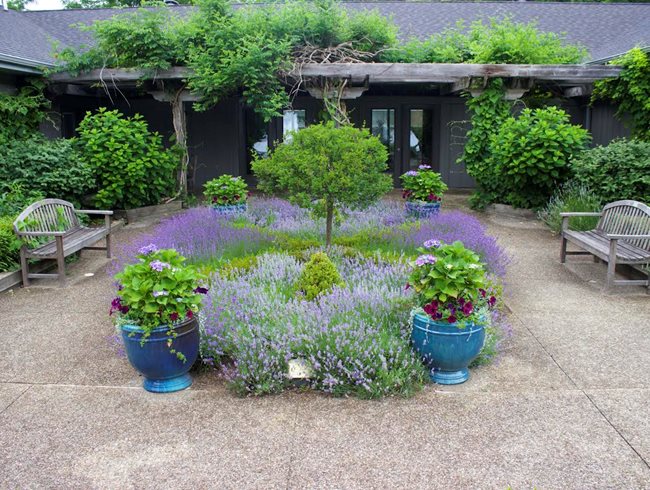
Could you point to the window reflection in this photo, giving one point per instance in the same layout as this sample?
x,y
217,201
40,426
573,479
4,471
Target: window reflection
x,y
293,120
420,137
382,125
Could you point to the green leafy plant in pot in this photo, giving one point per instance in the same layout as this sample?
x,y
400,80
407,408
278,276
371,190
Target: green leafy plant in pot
x,y
454,296
156,306
226,194
423,190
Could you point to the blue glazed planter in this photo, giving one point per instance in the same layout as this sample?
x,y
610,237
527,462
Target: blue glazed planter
x,y
163,371
446,349
230,209
419,209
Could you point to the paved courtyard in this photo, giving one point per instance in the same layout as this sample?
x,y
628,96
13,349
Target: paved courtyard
x,y
567,405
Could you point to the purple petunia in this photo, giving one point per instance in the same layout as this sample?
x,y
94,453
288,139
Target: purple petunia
x,y
201,290
412,173
432,244
425,259
158,266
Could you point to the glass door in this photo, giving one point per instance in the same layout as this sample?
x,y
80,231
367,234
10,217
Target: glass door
x,y
420,139
382,125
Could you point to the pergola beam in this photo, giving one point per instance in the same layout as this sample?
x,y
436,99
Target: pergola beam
x,y
442,73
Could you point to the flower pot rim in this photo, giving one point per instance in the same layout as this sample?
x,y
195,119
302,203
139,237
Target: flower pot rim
x,y
132,328
459,325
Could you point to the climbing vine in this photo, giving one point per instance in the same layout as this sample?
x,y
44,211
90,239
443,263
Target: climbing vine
x,y
631,91
21,113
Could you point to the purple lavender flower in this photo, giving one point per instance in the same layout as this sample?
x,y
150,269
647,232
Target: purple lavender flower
x,y
148,249
158,266
432,244
425,259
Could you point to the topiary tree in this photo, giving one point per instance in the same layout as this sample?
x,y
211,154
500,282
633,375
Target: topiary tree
x,y
325,168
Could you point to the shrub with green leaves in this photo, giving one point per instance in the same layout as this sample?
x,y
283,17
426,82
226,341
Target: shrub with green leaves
x,y
21,113
226,190
131,165
52,168
319,276
16,197
325,168
572,197
531,155
9,245
620,170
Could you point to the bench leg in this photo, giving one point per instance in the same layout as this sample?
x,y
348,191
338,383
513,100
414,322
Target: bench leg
x,y
60,261
563,250
24,266
611,264
108,246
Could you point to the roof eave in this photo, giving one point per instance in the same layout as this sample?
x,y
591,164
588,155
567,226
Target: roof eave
x,y
17,64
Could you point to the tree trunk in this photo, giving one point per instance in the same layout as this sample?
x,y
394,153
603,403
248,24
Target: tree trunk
x,y
180,130
328,223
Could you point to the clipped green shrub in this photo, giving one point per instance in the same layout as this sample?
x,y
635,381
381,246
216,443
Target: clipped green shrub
x,y
52,168
531,155
319,276
620,170
225,190
9,245
131,165
571,197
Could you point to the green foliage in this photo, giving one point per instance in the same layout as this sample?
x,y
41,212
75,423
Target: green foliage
x,y
500,40
531,155
21,113
455,272
150,39
324,168
319,276
9,244
489,111
631,91
571,197
158,290
17,197
226,190
423,185
131,165
620,170
53,168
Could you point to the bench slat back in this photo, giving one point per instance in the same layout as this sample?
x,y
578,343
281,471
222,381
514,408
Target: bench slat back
x,y
627,218
46,216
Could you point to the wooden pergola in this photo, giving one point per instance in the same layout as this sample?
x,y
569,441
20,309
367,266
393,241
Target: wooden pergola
x,y
575,80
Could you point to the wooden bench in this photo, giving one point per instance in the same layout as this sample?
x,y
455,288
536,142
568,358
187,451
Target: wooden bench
x,y
50,229
622,236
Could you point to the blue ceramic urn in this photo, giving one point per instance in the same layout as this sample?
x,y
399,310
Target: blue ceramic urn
x,y
445,348
230,209
163,371
421,209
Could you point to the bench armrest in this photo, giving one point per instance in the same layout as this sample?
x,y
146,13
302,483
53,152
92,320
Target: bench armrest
x,y
595,213
628,237
41,233
93,211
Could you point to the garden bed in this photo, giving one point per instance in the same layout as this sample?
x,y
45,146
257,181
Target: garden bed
x,y
354,339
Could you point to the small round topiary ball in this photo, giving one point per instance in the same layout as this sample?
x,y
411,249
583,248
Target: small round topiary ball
x,y
319,276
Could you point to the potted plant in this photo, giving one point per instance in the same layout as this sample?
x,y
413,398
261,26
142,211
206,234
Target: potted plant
x,y
454,295
158,298
226,194
423,190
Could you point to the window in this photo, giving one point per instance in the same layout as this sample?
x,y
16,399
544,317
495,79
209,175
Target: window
x,y
292,121
257,137
420,137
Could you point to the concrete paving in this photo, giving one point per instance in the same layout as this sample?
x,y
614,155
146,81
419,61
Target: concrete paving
x,y
566,405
